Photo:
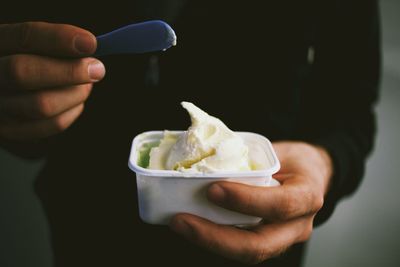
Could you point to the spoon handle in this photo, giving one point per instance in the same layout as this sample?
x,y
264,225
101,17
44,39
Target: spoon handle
x,y
149,36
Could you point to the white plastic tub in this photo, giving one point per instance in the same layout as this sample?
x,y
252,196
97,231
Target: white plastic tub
x,y
163,194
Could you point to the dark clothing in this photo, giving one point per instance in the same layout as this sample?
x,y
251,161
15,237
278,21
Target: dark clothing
x,y
250,65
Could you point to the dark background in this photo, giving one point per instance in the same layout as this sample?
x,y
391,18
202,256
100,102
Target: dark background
x,y
363,231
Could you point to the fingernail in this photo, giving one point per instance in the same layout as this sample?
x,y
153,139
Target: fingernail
x,y
96,70
181,227
85,44
216,193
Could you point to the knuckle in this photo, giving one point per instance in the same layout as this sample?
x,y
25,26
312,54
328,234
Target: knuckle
x,y
289,205
308,198
318,203
22,71
71,72
63,121
44,106
76,71
17,70
60,123
313,198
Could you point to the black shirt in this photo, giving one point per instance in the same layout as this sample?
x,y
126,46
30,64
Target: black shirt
x,y
290,70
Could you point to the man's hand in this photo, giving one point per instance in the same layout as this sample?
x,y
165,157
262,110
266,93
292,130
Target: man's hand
x,y
45,78
288,210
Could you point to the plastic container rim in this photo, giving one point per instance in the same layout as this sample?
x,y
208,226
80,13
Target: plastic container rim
x,y
132,163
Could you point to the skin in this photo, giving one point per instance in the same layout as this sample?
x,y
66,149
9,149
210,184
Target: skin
x,y
46,75
288,210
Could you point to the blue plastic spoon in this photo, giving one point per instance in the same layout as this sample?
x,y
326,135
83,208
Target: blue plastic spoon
x,y
149,36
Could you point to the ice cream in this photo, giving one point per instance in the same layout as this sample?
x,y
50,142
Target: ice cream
x,y
207,146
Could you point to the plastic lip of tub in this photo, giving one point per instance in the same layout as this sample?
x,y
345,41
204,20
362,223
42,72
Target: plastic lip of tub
x,y
164,193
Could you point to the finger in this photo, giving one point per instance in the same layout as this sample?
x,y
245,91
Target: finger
x,y
225,240
29,72
46,39
42,128
284,202
44,104
249,246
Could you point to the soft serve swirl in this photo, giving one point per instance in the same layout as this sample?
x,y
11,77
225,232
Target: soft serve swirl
x,y
207,146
